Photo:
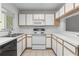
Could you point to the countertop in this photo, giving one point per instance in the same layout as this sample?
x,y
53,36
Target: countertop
x,y
4,40
71,39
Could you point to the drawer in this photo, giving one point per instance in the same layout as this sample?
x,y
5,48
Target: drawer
x,y
68,7
72,48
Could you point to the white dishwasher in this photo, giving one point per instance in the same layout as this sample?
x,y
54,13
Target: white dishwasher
x,y
38,41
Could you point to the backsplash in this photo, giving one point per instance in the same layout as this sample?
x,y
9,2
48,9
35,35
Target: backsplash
x,y
29,30
3,33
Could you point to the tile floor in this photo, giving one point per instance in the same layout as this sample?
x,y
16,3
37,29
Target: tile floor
x,y
30,52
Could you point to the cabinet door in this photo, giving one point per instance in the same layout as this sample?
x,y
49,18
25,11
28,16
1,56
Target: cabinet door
x,y
67,52
38,16
19,48
49,19
48,42
35,16
29,42
55,46
57,14
41,16
68,7
24,44
52,43
76,5
29,19
22,19
59,49
61,11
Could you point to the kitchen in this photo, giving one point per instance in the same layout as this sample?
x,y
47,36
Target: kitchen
x,y
39,29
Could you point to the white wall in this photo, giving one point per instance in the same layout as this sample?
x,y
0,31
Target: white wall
x,y
62,26
0,10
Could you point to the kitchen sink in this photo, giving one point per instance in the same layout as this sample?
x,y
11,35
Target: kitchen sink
x,y
13,35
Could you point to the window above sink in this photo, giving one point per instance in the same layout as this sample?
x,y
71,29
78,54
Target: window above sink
x,y
6,20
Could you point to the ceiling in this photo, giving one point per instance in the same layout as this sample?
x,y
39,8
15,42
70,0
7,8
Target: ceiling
x,y
38,6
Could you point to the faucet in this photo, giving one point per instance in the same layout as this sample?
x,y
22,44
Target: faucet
x,y
9,32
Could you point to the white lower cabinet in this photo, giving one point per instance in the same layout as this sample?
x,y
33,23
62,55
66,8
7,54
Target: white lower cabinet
x,y
76,5
19,47
21,44
48,42
67,52
24,44
59,49
69,7
29,42
63,48
29,19
49,19
54,45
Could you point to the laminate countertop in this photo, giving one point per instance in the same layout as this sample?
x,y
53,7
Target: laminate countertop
x,y
70,39
4,40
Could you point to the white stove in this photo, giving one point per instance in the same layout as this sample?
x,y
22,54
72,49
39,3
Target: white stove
x,y
38,39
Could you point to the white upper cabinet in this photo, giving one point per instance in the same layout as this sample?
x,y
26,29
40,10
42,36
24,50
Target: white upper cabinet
x,y
57,15
22,20
38,16
69,7
61,11
38,19
76,5
49,18
29,19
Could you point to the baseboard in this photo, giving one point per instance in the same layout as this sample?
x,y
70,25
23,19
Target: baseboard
x,y
49,48
29,48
